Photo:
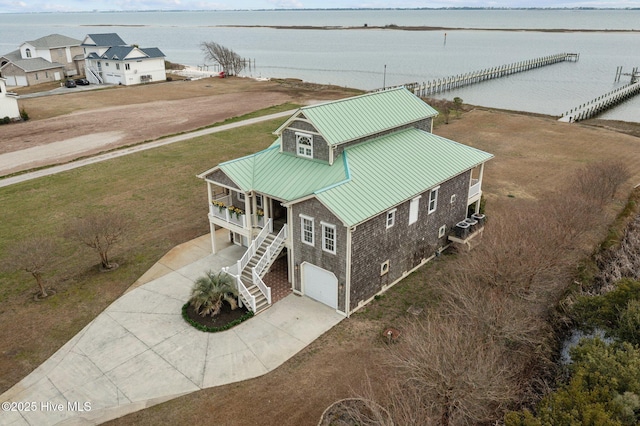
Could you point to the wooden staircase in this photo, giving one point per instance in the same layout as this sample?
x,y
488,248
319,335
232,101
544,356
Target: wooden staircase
x,y
246,275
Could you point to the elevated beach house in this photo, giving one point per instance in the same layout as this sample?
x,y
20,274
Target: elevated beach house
x,y
356,193
109,60
49,58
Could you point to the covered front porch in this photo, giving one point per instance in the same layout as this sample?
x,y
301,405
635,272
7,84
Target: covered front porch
x,y
243,214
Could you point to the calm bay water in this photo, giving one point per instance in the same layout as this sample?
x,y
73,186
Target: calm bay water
x,y
357,57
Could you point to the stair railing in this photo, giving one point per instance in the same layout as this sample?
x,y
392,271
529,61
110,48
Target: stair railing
x,y
253,247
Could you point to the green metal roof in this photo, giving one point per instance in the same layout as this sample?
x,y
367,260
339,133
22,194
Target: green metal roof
x,y
283,176
370,178
353,118
392,169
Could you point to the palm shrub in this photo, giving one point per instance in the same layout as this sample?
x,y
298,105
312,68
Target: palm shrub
x,y
210,290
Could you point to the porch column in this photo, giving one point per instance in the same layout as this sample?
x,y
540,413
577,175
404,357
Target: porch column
x,y
247,213
212,229
266,207
480,183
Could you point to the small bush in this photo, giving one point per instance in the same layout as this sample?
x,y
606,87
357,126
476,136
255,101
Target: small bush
x,y
24,115
6,120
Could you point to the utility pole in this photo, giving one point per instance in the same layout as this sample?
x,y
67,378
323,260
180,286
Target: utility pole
x,y
384,77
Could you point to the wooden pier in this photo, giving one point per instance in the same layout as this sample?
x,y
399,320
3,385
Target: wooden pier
x,y
601,103
453,82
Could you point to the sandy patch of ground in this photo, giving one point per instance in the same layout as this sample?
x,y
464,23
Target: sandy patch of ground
x,y
57,152
137,114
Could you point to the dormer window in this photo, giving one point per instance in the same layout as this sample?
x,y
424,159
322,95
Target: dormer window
x,y
28,52
304,145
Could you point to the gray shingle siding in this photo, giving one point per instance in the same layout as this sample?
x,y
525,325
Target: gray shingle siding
x,y
219,176
302,252
403,245
320,147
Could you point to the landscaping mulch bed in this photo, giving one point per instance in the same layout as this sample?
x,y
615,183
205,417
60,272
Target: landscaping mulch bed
x,y
222,320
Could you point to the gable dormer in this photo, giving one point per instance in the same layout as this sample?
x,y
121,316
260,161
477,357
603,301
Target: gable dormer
x,y
302,139
322,132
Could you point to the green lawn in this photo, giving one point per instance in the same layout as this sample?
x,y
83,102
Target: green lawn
x,y
167,203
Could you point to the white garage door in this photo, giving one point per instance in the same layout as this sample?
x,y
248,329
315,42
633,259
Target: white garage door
x,y
21,80
320,284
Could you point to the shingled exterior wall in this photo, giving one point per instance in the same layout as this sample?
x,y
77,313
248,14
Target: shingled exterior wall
x,y
404,246
320,147
303,252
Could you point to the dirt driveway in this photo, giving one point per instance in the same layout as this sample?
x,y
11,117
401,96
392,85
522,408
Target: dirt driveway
x,y
84,123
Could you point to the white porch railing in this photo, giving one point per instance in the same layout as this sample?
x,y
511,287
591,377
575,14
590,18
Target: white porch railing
x,y
271,251
253,247
96,75
261,285
223,212
474,189
244,292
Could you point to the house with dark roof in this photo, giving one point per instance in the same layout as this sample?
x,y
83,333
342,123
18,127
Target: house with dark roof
x,y
50,58
109,60
355,193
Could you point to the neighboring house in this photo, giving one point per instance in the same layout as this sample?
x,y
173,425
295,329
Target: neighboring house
x,y
8,102
108,59
359,192
49,58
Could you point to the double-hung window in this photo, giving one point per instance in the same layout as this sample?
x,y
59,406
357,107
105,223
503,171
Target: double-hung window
x,y
329,237
304,145
306,229
433,199
391,218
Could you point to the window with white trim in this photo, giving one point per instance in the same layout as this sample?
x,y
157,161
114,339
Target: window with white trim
x,y
306,229
328,237
453,198
127,67
433,200
241,196
391,218
442,231
304,145
413,209
259,200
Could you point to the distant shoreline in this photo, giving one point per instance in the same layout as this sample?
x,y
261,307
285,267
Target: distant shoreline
x,y
392,27
427,28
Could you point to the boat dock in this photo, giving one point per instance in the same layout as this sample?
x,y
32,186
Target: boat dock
x,y
606,101
453,82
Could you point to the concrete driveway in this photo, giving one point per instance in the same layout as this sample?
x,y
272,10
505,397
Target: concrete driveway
x,y
140,352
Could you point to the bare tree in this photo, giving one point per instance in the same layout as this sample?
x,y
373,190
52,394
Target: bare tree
x,y
34,255
100,231
461,376
600,181
230,61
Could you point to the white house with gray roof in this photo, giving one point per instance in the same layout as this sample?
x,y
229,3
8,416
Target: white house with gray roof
x,y
356,193
109,60
8,102
50,58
